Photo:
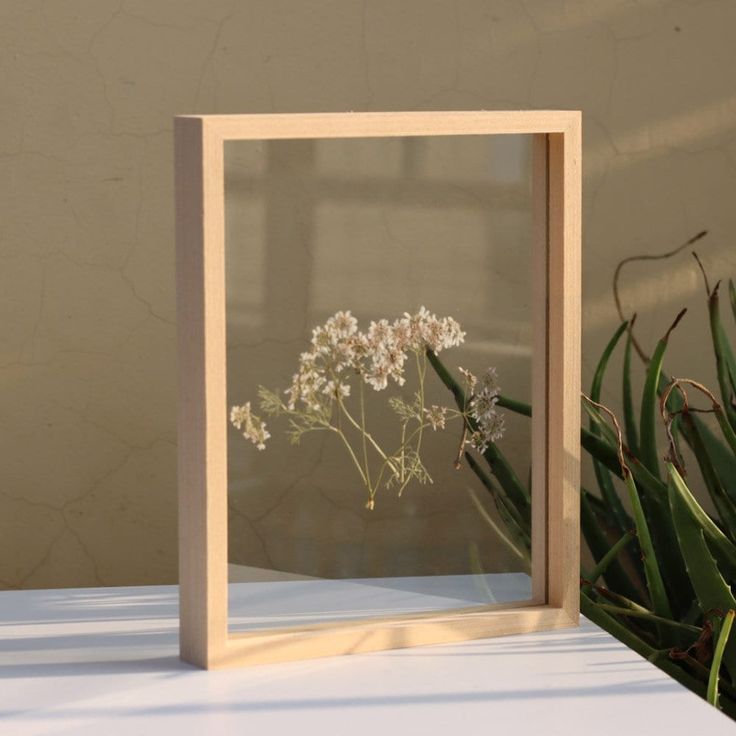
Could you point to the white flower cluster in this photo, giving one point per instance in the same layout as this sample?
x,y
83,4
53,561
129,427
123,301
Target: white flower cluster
x,y
482,408
341,356
436,416
377,355
253,428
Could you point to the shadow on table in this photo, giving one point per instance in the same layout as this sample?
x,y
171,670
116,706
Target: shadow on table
x,y
120,631
111,652
39,607
618,690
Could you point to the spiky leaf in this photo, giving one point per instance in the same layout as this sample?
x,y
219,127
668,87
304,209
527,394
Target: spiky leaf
x,y
712,591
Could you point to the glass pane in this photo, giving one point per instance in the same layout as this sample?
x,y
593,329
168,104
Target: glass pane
x,y
368,515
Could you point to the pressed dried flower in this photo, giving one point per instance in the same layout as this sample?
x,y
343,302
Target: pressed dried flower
x,y
252,427
336,389
340,354
377,376
341,325
436,416
477,440
470,378
489,381
482,404
494,427
482,409
379,334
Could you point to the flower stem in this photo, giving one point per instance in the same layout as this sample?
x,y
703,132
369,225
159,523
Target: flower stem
x,y
402,449
421,371
349,448
461,447
367,435
363,433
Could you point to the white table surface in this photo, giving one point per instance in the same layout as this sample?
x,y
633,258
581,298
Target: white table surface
x,y
104,661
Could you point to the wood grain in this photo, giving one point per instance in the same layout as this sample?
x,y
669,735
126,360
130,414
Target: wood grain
x,y
202,449
202,420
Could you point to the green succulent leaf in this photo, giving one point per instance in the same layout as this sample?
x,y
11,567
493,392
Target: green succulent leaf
x,y
632,435
722,547
594,530
660,621
609,557
725,361
712,590
658,657
712,695
519,526
602,474
650,401
723,457
721,499
655,583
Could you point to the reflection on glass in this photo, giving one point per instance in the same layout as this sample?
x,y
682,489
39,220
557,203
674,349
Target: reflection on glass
x,y
357,498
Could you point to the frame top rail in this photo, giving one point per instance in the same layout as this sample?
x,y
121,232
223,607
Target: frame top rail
x,y
386,124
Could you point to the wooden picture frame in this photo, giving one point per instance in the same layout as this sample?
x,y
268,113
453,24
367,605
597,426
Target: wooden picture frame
x,y
202,419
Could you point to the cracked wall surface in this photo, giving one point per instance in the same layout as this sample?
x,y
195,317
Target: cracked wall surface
x,y
89,88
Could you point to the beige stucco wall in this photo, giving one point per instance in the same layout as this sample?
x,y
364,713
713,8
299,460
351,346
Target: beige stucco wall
x,y
87,348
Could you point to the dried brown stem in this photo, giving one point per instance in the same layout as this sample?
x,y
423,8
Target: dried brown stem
x,y
463,438
668,417
632,259
617,428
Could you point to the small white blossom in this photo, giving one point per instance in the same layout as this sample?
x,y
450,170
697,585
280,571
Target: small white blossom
x,y
416,328
388,360
478,441
252,427
489,381
433,333
482,404
494,427
425,330
377,376
321,340
436,416
341,325
336,390
452,334
402,334
470,378
380,334
482,409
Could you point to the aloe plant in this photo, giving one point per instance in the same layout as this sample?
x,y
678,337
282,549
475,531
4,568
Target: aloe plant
x,y
665,568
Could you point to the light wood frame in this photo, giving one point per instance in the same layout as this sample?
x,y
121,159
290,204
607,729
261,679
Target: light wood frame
x,y
202,418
